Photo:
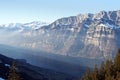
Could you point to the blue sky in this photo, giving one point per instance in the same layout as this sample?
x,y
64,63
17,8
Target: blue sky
x,y
22,11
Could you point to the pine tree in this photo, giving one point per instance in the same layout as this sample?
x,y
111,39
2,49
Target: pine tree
x,y
102,71
118,76
109,77
13,73
108,71
109,67
117,61
88,75
95,73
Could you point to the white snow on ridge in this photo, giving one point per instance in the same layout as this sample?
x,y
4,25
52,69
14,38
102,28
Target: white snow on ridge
x,y
109,26
87,26
7,65
35,24
21,27
2,79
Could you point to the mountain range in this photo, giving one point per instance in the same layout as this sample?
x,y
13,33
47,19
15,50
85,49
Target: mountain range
x,y
89,35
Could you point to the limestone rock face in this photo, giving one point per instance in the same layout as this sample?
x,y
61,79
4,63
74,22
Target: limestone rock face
x,y
89,35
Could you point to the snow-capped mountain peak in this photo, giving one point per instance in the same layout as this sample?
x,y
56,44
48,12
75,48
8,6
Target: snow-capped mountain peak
x,y
21,27
35,24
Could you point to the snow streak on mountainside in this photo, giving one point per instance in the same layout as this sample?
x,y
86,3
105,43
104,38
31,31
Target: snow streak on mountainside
x,y
85,35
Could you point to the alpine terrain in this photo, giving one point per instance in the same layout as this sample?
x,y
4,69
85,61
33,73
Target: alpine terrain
x,y
85,35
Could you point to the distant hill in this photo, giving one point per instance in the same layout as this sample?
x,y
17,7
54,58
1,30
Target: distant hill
x,y
30,72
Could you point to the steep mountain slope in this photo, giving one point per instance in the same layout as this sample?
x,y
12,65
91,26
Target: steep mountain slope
x,y
30,72
84,35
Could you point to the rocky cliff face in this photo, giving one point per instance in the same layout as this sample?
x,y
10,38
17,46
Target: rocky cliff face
x,y
85,35
89,35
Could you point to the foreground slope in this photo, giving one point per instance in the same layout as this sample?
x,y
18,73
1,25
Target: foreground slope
x,y
30,72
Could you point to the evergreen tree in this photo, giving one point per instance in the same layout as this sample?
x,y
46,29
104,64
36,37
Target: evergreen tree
x,y
109,67
102,71
95,73
13,73
109,77
108,71
88,75
118,76
117,61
